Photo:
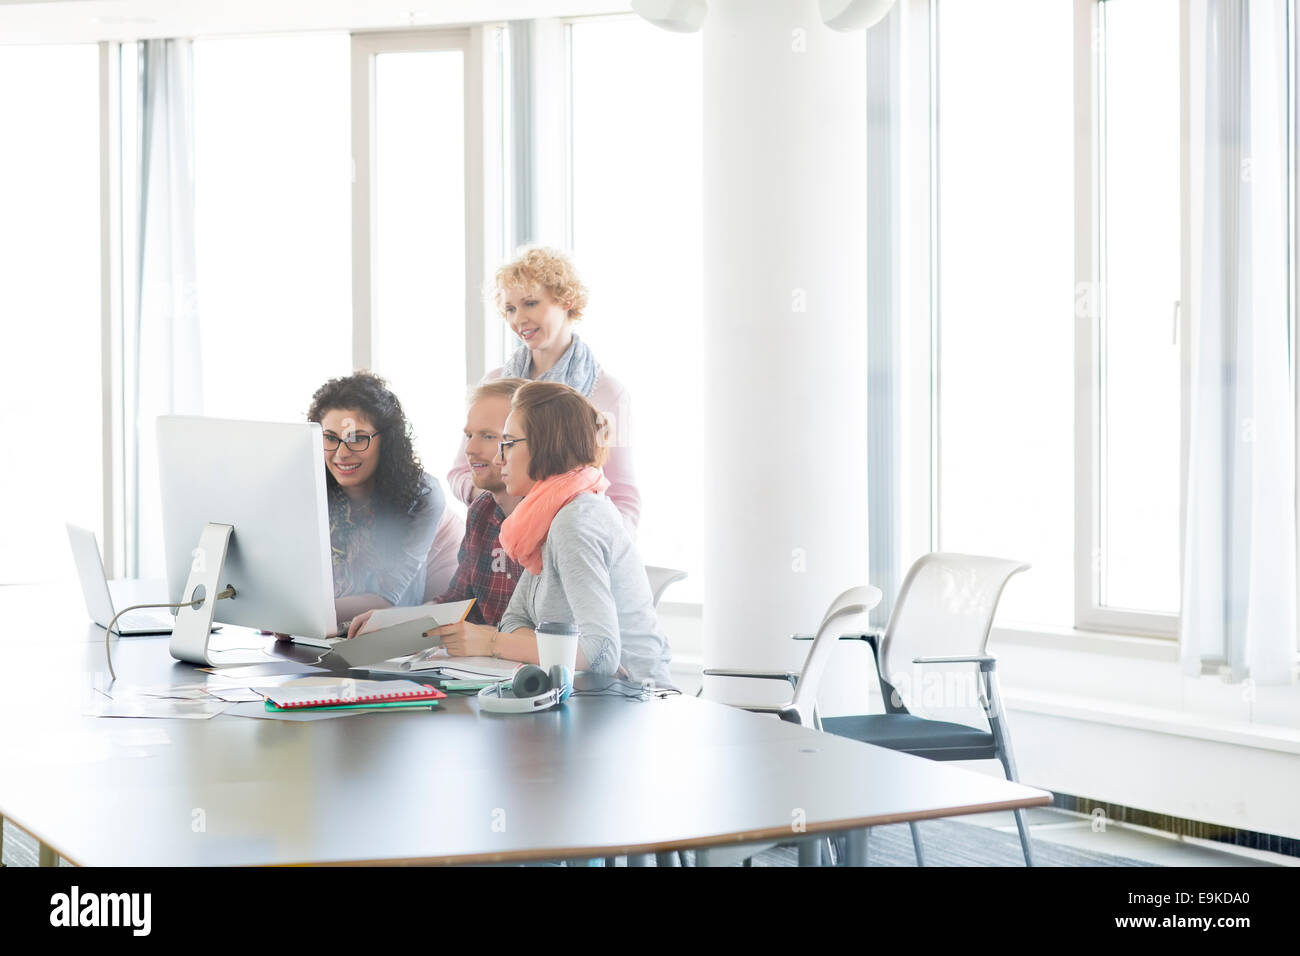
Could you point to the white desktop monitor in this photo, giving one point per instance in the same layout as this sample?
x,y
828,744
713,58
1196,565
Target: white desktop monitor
x,y
267,481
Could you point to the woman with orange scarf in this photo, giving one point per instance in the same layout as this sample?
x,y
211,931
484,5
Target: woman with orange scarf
x,y
580,565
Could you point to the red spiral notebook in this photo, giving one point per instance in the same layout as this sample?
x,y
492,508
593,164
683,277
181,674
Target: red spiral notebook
x,y
351,693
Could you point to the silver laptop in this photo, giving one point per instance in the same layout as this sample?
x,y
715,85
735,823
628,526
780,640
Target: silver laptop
x,y
99,601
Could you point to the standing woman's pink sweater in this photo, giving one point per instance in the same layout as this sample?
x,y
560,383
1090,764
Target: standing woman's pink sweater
x,y
611,399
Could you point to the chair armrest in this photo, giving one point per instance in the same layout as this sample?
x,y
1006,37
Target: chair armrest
x,y
786,712
789,677
986,662
865,636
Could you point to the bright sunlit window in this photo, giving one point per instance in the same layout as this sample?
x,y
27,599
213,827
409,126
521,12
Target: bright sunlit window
x,y
636,180
419,235
50,375
272,183
1005,294
1140,388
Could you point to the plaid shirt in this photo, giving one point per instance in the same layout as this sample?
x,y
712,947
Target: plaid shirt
x,y
484,573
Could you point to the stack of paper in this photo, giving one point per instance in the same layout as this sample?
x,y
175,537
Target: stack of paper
x,y
436,662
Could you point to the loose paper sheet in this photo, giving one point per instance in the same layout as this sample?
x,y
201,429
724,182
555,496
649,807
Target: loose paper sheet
x,y
131,706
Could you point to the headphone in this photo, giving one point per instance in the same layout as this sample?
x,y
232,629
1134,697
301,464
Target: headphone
x,y
528,690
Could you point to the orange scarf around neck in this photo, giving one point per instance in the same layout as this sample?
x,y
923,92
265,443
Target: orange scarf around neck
x,y
524,532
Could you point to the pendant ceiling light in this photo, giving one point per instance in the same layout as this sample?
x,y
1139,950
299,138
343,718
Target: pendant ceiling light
x,y
846,15
679,16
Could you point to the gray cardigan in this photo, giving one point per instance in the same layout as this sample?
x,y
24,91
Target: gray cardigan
x,y
593,577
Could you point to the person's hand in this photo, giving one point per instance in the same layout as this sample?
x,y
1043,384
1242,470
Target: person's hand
x,y
283,637
464,639
359,622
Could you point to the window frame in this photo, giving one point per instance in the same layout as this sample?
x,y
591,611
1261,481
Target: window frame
x,y
924,323
1089,104
1293,238
114,537
479,220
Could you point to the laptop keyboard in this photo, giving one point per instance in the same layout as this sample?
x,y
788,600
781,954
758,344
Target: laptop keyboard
x,y
137,621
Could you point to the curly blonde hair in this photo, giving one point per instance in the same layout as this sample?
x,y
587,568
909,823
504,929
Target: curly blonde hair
x,y
540,267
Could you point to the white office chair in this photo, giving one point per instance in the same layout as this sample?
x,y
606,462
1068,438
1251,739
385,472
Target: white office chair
x,y
846,614
943,616
660,579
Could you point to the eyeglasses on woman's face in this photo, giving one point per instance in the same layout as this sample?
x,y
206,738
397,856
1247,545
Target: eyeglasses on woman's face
x,y
503,445
358,442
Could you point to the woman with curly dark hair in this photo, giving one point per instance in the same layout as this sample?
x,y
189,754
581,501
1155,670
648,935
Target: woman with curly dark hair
x,y
384,509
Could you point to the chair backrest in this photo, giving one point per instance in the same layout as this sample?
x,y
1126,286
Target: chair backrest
x,y
660,578
444,554
847,613
945,608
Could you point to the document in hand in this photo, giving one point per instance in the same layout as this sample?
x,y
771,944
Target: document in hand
x,y
397,632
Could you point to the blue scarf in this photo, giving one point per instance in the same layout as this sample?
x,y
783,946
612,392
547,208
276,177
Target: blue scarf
x,y
577,367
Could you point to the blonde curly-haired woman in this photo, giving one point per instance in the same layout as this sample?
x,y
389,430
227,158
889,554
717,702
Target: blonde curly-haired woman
x,y
541,298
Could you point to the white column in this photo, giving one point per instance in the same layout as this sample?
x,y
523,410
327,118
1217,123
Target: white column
x,y
785,238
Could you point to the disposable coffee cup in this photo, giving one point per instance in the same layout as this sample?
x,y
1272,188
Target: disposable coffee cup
x,y
557,643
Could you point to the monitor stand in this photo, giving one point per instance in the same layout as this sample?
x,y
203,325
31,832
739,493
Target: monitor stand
x,y
193,625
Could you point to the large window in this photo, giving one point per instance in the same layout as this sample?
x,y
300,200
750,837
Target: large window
x,y
419,242
50,372
1005,310
636,234
271,245
272,186
1137,441
421,228
287,242
1058,280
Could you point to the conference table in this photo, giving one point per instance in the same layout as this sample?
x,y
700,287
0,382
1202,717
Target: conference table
x,y
598,777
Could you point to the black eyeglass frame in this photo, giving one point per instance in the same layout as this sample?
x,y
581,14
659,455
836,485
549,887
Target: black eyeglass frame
x,y
360,440
503,445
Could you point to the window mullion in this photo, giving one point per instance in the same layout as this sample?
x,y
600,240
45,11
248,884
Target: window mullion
x,y
110,266
1104,313
1087,103
1186,299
